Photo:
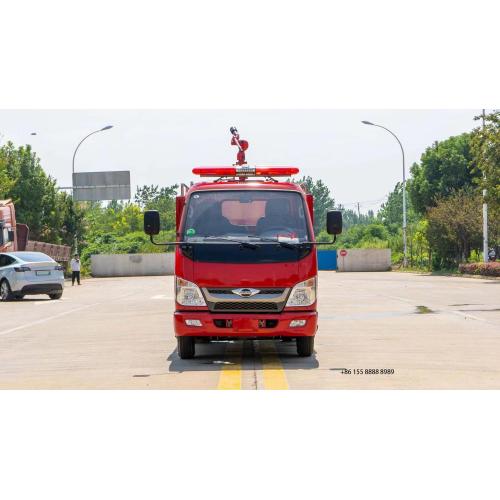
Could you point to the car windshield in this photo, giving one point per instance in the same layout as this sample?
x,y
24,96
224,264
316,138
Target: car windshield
x,y
246,215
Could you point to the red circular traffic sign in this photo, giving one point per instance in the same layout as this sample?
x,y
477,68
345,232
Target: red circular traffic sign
x,y
343,252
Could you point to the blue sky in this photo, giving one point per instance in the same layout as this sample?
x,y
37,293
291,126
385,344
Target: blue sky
x,y
358,162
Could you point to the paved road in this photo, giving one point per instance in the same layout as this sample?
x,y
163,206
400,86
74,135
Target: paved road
x,y
433,332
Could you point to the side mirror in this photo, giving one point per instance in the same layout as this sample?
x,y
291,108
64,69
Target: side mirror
x,y
12,235
334,222
151,222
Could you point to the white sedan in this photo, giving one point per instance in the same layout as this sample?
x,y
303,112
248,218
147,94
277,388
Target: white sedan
x,y
30,273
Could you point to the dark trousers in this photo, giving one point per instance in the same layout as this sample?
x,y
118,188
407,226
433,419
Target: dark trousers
x,y
75,275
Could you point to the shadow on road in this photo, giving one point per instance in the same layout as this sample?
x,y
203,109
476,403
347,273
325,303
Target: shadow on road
x,y
212,356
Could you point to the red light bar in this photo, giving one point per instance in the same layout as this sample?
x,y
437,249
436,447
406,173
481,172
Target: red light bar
x,y
245,171
214,171
276,171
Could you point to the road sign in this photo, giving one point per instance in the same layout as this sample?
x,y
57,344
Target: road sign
x,y
97,186
343,252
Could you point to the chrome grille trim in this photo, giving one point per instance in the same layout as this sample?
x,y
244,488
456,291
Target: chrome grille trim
x,y
267,300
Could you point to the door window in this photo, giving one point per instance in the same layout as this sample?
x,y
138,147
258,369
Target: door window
x,y
6,260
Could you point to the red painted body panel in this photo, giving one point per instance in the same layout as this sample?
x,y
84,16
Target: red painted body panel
x,y
179,208
285,274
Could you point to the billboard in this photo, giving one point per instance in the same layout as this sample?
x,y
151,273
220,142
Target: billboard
x,y
98,186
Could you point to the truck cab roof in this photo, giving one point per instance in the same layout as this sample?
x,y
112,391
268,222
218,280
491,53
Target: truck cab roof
x,y
253,184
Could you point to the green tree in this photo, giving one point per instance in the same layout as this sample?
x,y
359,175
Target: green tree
x,y
486,151
5,181
444,168
455,227
33,192
391,212
352,218
162,199
323,200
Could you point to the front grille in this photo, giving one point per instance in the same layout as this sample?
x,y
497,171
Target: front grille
x,y
245,306
262,291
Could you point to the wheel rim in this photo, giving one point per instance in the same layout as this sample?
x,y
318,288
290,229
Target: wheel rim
x,y
4,290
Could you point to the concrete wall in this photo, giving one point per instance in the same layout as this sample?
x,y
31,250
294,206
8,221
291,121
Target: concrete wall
x,y
137,264
364,259
159,264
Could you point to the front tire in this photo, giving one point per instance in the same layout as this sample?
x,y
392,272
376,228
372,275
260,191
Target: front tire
x,y
185,347
5,291
305,346
55,296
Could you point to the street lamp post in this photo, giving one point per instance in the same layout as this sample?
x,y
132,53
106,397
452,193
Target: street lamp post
x,y
107,127
405,252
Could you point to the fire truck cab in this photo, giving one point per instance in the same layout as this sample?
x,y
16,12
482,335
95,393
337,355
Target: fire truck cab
x,y
245,258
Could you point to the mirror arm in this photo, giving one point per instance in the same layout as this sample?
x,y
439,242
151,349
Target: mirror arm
x,y
322,242
166,243
327,242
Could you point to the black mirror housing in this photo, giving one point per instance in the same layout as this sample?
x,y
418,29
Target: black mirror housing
x,y
334,222
151,222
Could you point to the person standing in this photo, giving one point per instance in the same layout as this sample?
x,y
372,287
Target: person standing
x,y
75,269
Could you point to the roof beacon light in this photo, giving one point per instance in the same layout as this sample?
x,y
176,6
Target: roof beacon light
x,y
245,171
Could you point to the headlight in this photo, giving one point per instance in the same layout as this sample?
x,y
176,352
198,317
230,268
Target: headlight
x,y
188,294
303,294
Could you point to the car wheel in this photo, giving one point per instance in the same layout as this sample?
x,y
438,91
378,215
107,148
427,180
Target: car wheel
x,y
5,291
18,297
55,296
305,346
185,347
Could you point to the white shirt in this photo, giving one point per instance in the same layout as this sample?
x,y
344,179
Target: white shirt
x,y
75,265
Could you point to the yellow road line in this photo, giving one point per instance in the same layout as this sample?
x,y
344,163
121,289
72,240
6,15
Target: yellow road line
x,y
273,372
230,374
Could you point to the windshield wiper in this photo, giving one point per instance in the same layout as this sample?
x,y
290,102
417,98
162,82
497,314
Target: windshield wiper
x,y
245,244
284,244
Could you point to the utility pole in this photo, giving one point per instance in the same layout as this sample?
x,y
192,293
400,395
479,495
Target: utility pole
x,y
485,213
359,216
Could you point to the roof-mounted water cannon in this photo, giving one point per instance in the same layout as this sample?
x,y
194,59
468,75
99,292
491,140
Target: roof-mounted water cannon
x,y
240,169
242,146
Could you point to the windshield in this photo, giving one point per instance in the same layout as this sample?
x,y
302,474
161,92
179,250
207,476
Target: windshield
x,y
246,215
243,226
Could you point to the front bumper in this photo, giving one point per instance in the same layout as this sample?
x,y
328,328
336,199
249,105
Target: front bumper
x,y
245,325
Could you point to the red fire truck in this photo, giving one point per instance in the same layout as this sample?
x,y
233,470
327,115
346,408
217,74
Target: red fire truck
x,y
245,257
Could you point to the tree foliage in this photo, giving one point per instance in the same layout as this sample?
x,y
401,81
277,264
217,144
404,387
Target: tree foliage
x,y
323,200
352,218
50,214
486,150
5,181
391,212
455,227
162,199
444,168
